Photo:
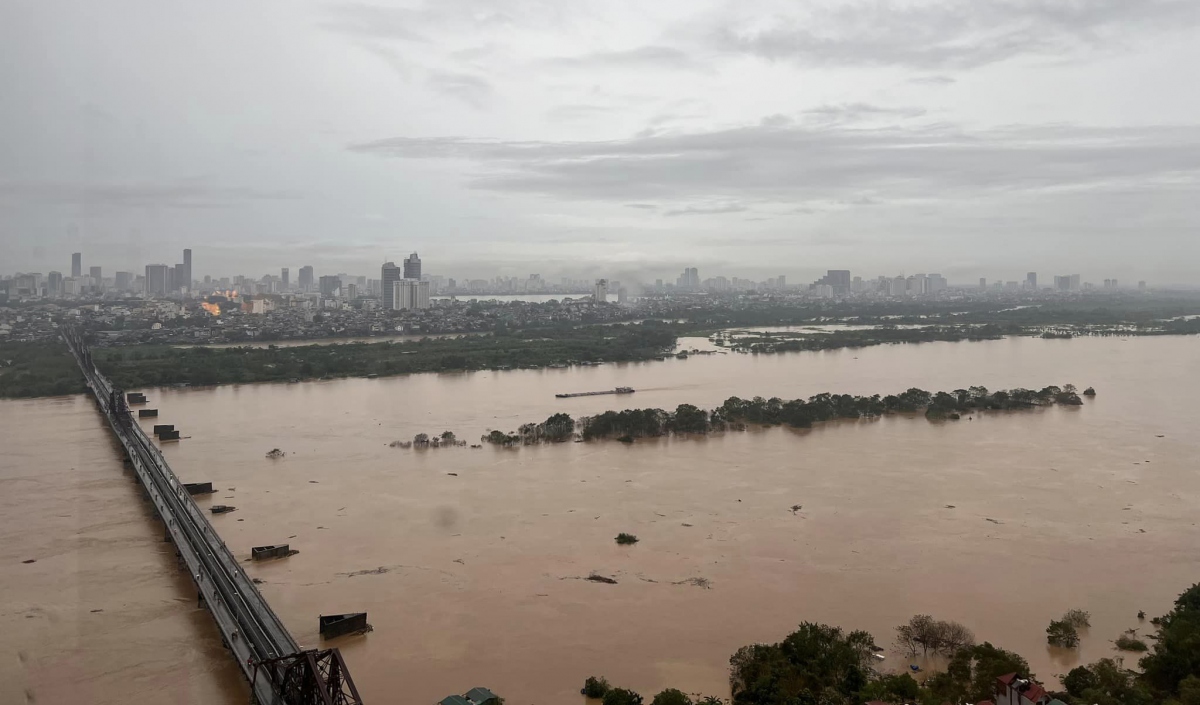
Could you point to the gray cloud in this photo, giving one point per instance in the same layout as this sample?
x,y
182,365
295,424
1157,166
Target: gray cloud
x,y
470,89
375,22
801,163
659,57
708,210
128,195
933,80
578,111
852,112
951,33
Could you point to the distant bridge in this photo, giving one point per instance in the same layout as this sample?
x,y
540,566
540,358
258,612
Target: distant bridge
x,y
279,672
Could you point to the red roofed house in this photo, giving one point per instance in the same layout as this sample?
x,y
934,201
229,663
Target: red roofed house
x,y
1012,689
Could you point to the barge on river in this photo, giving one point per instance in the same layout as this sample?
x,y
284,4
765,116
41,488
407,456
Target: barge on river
x,y
618,390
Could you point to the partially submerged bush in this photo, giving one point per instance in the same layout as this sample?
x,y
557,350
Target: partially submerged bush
x,y
1078,618
1128,642
1062,633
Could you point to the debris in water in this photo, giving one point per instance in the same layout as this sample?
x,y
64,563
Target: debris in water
x,y
369,571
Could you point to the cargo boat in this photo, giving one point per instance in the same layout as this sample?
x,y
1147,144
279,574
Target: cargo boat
x,y
618,390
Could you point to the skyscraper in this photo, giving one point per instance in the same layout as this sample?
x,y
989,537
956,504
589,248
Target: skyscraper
x,y
183,273
330,286
389,275
306,278
283,275
412,267
77,264
156,279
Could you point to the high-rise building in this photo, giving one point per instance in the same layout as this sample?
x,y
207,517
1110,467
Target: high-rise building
x,y
124,281
156,279
306,278
838,279
1031,280
389,275
412,267
76,264
183,273
410,295
54,283
283,276
600,291
330,286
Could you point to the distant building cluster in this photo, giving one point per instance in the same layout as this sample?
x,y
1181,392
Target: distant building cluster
x,y
405,287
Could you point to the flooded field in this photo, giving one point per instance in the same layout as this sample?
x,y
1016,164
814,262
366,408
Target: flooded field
x,y
469,562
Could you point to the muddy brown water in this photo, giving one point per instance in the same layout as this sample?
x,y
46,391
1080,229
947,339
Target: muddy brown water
x,y
476,577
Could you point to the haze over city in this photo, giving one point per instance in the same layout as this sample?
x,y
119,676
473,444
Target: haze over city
x,y
589,139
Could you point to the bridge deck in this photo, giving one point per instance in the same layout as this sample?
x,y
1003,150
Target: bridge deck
x,y
251,630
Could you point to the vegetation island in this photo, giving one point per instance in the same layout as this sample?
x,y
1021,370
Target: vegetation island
x,y
738,414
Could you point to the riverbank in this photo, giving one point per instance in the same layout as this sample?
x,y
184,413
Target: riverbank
x,y
36,369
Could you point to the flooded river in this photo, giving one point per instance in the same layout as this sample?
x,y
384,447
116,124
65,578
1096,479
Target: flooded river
x,y
469,562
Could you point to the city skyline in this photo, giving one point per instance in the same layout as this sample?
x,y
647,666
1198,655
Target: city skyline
x,y
412,264
604,140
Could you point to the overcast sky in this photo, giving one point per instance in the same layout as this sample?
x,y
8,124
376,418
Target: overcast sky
x,y
604,137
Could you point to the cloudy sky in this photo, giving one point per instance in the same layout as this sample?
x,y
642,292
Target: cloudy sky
x,y
605,137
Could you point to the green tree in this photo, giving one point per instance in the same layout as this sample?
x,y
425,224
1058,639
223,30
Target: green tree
x,y
1176,653
1062,633
621,696
971,674
595,687
689,419
671,696
816,663
1080,680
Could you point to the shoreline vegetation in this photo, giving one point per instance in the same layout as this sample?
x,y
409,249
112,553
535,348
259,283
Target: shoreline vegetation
x,y
738,414
44,368
823,664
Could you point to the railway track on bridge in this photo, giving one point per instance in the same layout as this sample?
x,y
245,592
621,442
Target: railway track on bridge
x,y
278,670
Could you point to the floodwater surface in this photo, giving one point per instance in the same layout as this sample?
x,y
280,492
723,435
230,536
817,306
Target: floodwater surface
x,y
101,613
470,562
